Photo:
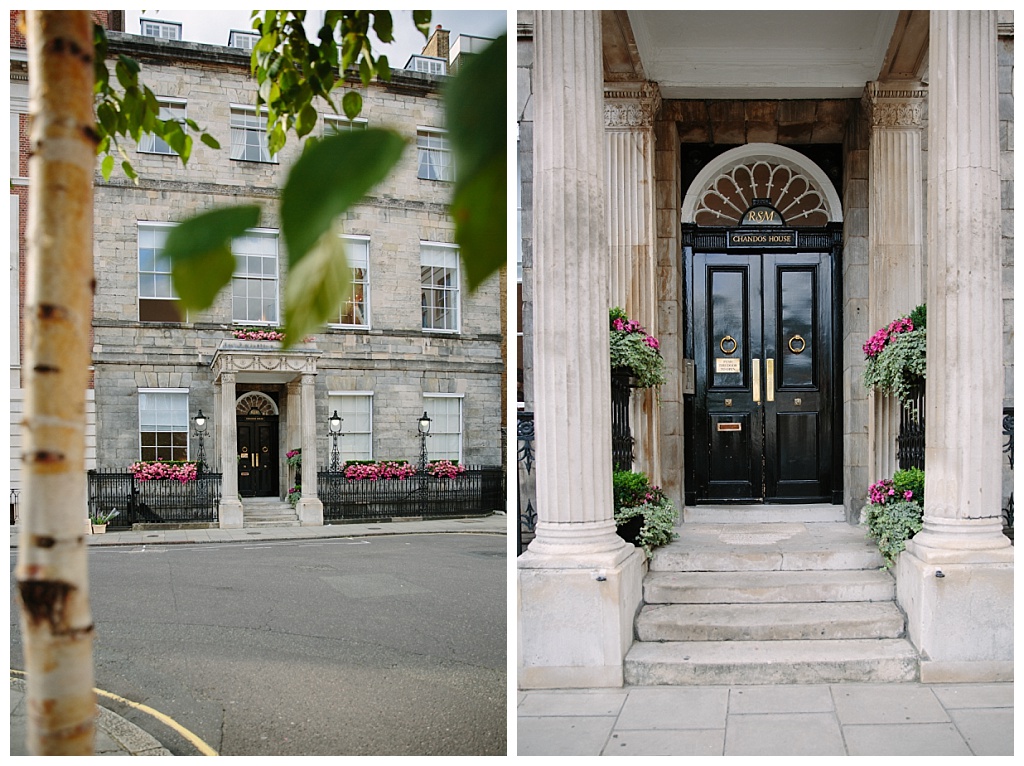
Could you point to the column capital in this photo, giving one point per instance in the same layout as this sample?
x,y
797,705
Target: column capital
x,y
631,104
895,104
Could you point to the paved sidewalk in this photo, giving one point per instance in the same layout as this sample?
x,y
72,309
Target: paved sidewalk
x,y
496,523
115,735
814,719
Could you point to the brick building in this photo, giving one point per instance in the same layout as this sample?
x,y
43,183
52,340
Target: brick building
x,y
409,339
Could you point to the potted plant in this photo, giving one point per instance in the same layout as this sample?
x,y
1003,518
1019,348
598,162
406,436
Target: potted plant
x,y
633,349
896,356
895,512
100,520
294,494
643,515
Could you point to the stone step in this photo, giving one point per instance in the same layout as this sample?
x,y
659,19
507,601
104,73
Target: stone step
x,y
755,514
769,622
767,547
770,662
768,587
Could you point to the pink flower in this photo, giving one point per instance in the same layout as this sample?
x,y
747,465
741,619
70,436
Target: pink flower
x,y
908,494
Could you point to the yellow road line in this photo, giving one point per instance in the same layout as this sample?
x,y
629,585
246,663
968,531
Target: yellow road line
x,y
198,743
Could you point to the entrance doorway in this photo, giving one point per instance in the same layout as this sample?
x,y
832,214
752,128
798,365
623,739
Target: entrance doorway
x,y
762,332
257,428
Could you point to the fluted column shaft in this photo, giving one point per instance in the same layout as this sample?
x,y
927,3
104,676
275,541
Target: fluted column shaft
x,y
629,111
571,299
896,215
965,376
228,438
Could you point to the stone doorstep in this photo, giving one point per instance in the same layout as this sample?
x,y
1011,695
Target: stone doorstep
x,y
769,622
767,587
770,662
846,557
754,514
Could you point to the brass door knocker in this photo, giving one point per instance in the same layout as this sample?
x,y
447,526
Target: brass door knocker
x,y
801,341
728,339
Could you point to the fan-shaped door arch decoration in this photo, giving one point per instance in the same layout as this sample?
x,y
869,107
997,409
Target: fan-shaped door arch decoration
x,y
255,403
791,183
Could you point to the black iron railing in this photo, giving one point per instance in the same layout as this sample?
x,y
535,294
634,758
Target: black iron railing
x,y
14,506
622,436
163,501
910,442
525,485
478,490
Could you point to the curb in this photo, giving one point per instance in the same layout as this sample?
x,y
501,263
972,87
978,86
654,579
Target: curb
x,y
126,736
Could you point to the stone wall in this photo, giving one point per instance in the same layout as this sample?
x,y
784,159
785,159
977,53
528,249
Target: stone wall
x,y
392,357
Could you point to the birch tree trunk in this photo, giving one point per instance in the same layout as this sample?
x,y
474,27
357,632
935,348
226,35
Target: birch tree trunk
x,y
52,568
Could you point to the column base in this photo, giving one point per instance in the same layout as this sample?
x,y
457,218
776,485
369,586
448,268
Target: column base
x,y
575,617
230,513
959,607
311,512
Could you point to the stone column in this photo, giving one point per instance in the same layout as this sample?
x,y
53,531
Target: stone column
x,y
579,583
310,509
955,580
230,505
629,110
896,219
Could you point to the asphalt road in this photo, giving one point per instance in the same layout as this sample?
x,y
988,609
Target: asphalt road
x,y
389,646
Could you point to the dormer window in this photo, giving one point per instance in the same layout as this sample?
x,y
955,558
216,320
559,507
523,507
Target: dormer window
x,y
243,40
165,30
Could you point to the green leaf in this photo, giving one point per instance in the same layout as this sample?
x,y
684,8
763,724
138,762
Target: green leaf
x,y
382,26
422,21
352,103
107,166
330,177
365,70
306,120
129,170
210,141
315,288
199,250
384,69
478,209
475,108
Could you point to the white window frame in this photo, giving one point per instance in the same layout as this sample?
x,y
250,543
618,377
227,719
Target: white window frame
x,y
236,35
153,226
262,278
366,282
178,392
246,121
333,405
429,65
433,432
433,155
162,30
449,262
341,124
170,109
15,145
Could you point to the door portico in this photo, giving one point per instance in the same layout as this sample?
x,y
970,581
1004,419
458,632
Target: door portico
x,y
241,365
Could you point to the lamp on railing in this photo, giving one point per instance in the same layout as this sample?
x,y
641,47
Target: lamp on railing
x,y
199,421
334,425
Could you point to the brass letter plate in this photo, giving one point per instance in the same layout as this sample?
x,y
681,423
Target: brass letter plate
x,y
727,365
730,426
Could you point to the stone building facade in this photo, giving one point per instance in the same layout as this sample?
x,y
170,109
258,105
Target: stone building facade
x,y
411,337
710,122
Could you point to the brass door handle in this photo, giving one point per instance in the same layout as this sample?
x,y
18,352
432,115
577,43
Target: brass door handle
x,y
769,372
755,372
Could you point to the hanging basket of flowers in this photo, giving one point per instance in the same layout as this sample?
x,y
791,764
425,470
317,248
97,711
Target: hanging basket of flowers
x,y
633,349
896,356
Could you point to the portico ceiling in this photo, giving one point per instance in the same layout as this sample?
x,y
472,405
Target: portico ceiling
x,y
757,54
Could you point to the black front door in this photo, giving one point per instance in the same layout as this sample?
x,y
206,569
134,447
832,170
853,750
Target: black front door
x,y
257,456
763,350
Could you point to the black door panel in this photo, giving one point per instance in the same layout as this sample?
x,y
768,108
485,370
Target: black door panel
x,y
763,360
257,457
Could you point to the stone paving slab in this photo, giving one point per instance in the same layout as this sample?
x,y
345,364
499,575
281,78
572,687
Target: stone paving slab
x,y
783,719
